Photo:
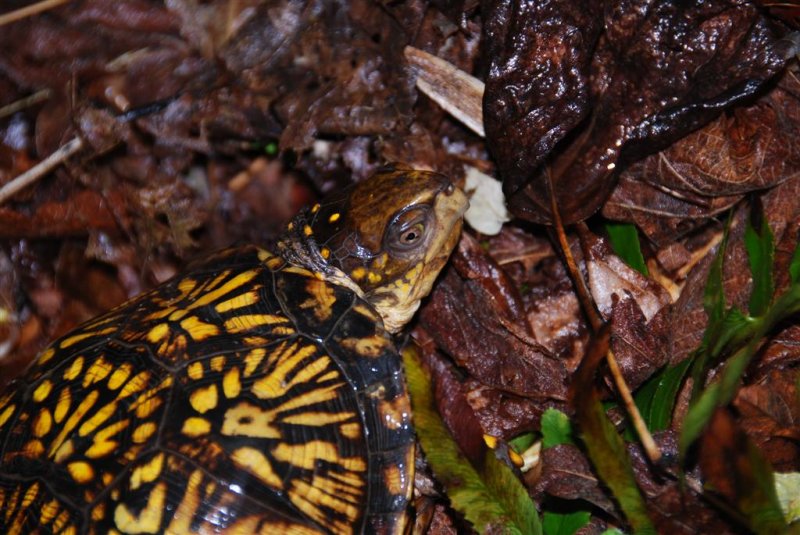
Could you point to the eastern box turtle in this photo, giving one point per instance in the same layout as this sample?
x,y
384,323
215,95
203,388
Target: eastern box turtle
x,y
258,393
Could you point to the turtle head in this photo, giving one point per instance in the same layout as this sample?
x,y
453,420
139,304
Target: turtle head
x,y
387,238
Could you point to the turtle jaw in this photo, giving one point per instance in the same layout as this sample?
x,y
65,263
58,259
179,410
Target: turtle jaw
x,y
397,302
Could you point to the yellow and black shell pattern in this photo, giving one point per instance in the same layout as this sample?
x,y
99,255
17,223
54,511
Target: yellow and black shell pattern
x,y
247,396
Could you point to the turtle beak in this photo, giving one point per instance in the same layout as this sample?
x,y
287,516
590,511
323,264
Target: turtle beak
x,y
449,208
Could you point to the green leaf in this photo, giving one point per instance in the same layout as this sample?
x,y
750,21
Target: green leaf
x,y
490,496
556,428
625,241
794,265
759,242
723,390
656,398
564,523
605,446
522,442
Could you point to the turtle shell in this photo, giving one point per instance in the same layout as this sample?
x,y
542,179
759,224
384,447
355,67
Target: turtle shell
x,y
246,396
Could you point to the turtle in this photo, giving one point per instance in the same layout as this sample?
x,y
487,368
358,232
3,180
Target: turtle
x,y
260,391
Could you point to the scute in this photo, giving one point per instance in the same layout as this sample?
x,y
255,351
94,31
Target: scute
x,y
247,395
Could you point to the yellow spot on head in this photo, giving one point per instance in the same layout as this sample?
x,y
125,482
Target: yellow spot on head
x,y
373,278
334,217
325,253
358,273
315,208
307,231
290,226
81,471
204,399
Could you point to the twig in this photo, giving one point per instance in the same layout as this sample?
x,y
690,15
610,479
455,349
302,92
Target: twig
x,y
29,11
23,103
40,169
648,444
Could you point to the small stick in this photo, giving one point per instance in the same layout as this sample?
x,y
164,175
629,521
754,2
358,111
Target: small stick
x,y
648,444
40,169
29,11
23,103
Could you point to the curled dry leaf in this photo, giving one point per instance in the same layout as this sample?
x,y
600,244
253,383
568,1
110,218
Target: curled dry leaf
x,y
645,78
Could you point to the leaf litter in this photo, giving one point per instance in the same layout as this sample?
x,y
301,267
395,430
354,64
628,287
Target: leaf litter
x,y
209,124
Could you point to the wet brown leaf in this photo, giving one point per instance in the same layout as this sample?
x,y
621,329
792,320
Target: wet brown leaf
x,y
477,318
704,173
657,73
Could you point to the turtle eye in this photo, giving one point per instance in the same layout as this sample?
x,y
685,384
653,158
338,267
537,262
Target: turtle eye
x,y
408,230
413,235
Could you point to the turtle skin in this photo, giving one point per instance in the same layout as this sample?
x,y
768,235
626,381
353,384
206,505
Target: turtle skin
x,y
246,396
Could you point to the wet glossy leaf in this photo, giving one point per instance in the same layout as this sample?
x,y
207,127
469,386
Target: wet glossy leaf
x,y
625,241
492,498
679,189
656,75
